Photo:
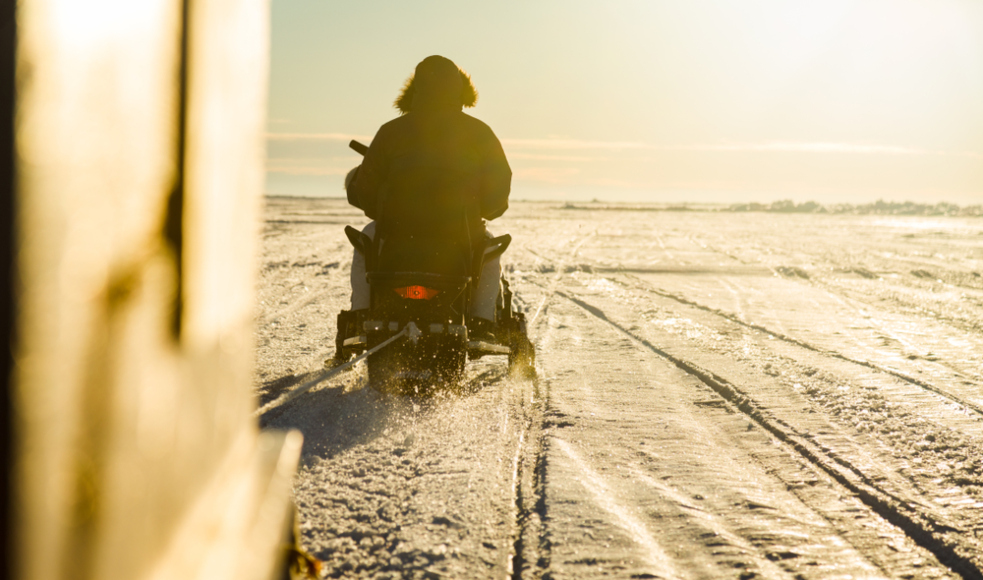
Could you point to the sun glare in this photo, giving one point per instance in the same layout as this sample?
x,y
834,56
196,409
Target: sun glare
x,y
843,98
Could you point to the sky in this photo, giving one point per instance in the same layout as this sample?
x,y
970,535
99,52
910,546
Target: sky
x,y
702,101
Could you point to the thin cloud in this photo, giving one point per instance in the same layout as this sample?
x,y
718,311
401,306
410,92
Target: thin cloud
x,y
817,147
571,144
515,143
316,137
767,147
586,144
554,175
305,169
546,157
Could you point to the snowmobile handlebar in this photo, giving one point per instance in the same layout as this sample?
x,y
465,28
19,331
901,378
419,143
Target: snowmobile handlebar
x,y
358,147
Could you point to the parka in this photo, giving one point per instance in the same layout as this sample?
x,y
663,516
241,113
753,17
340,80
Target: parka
x,y
434,171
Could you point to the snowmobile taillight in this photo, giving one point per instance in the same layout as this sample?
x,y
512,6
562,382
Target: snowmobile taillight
x,y
416,292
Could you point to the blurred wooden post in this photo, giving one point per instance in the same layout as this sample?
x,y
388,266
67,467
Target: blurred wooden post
x,y
8,42
139,144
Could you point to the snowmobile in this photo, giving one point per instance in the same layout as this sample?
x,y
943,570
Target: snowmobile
x,y
421,292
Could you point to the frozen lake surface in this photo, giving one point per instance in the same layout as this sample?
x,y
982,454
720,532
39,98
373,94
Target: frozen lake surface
x,y
721,395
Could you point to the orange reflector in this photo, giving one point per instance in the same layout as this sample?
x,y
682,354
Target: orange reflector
x,y
417,292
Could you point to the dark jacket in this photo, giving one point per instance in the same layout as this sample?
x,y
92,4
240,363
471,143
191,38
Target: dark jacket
x,y
435,171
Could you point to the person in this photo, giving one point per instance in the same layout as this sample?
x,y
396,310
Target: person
x,y
426,168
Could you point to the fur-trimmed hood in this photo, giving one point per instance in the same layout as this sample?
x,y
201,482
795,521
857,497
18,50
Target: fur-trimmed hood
x,y
436,83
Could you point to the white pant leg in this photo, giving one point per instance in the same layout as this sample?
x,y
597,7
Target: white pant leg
x,y
361,293
489,287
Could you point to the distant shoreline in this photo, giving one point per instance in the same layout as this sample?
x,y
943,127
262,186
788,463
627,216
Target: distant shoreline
x,y
879,207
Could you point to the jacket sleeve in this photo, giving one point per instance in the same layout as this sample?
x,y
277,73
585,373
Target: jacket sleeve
x,y
496,179
363,192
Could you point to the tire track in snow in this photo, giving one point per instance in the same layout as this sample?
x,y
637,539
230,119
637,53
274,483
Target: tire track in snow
x,y
306,300
916,524
530,555
655,556
976,408
708,520
735,554
781,335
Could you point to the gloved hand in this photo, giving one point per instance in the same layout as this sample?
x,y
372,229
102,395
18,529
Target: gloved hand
x,y
348,181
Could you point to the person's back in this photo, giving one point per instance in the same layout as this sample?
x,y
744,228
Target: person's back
x,y
433,174
435,171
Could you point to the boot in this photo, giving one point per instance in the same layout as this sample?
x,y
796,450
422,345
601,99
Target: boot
x,y
347,327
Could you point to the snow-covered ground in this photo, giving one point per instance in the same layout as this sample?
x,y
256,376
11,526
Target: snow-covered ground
x,y
721,395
